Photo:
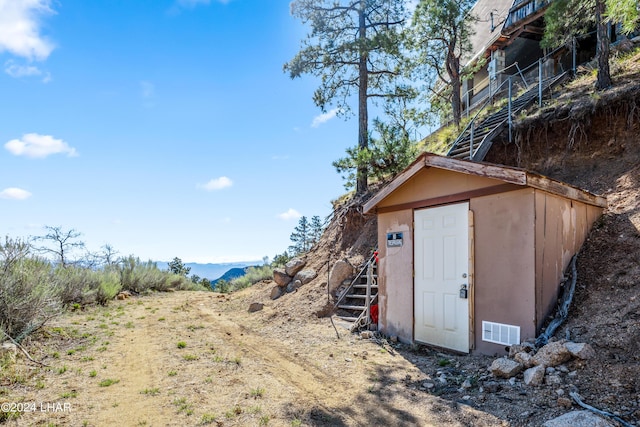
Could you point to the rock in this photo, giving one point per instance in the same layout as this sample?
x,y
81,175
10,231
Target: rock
x,y
518,348
491,386
552,354
255,306
365,335
276,292
505,368
466,384
552,380
524,358
578,419
292,286
281,277
534,376
564,402
580,350
122,295
294,265
341,271
428,385
305,276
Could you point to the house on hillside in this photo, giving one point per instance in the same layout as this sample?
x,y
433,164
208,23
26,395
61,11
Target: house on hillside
x,y
507,37
472,255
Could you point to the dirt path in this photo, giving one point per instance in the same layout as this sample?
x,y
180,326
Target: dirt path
x,y
190,358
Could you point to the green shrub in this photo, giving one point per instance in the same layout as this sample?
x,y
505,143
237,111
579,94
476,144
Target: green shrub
x,y
74,284
29,295
252,276
139,277
109,286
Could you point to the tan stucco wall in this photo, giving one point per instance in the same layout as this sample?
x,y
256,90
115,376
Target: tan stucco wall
x,y
395,276
431,182
504,268
562,225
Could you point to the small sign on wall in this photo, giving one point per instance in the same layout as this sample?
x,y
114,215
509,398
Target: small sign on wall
x,y
394,240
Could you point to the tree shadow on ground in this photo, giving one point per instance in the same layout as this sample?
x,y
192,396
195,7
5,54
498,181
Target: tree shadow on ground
x,y
394,398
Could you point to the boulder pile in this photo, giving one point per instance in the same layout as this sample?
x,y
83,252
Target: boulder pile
x,y
544,366
291,277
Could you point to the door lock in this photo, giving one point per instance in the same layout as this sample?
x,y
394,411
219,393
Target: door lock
x,y
464,292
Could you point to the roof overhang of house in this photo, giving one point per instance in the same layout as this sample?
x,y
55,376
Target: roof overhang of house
x,y
506,174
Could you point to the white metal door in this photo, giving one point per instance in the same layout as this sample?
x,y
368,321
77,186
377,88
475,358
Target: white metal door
x,y
441,270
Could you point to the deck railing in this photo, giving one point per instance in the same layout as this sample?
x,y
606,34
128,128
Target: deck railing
x,y
522,9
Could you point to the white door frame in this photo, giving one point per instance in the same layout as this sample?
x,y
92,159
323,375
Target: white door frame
x,y
441,268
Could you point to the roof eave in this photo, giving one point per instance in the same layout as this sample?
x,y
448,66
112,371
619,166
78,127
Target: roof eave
x,y
506,174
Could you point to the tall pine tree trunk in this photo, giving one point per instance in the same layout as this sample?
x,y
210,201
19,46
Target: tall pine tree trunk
x,y
453,69
602,49
363,117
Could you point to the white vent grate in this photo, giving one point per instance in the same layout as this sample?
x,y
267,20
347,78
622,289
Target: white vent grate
x,y
500,334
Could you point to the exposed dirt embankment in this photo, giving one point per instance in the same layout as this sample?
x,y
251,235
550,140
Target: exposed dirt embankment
x,y
594,142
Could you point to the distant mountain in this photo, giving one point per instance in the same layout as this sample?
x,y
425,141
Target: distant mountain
x,y
211,271
233,273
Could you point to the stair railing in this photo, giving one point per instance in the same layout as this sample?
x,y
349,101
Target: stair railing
x,y
471,125
355,280
368,300
472,122
364,320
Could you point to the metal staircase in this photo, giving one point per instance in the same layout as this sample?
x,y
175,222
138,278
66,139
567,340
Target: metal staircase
x,y
355,302
475,140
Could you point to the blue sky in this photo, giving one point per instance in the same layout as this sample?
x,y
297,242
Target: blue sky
x,y
165,128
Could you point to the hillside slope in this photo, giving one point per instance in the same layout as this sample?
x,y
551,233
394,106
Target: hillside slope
x,y
590,140
200,358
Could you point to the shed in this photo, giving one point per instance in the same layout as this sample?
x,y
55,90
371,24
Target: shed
x,y
472,255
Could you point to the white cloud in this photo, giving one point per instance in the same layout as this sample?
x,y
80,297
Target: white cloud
x,y
290,214
324,117
39,146
18,71
20,28
15,70
218,184
14,193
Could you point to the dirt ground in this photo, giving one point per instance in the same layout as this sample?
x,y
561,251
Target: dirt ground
x,y
197,358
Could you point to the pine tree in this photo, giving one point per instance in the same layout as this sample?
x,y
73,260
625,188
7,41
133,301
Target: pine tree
x,y
316,229
566,19
301,237
440,36
177,267
353,46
